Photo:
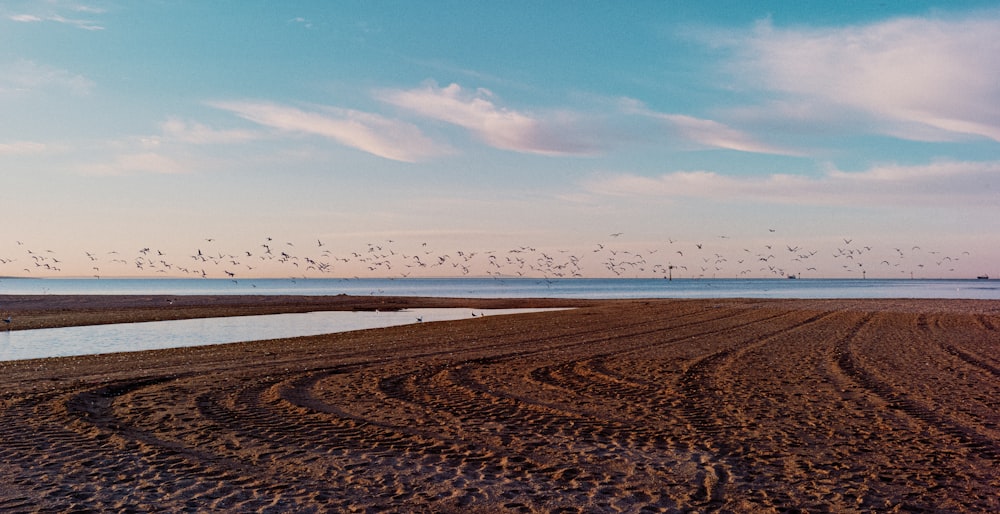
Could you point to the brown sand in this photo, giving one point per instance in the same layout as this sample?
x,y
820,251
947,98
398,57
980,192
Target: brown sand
x,y
636,406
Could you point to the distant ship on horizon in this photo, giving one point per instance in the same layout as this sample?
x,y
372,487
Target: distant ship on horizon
x,y
983,277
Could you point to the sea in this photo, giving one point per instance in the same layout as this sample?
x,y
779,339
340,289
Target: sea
x,y
577,288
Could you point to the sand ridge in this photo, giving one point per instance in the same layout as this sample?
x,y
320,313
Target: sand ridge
x,y
616,406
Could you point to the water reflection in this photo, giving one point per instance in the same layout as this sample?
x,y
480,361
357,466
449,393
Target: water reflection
x,y
127,337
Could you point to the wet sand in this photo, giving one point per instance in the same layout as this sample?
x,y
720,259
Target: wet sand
x,y
632,406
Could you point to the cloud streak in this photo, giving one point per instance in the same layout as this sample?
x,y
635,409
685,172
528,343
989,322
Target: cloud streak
x,y
58,18
372,133
942,183
704,132
175,129
497,126
22,148
554,133
136,162
918,78
25,76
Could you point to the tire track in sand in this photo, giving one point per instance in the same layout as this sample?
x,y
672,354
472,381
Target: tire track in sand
x,y
720,457
79,445
849,362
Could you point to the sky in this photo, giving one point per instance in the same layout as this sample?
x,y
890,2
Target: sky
x,y
545,139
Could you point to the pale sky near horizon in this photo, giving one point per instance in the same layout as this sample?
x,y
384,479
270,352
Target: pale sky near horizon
x,y
725,139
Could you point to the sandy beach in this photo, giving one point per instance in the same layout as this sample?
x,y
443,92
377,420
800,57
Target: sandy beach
x,y
614,406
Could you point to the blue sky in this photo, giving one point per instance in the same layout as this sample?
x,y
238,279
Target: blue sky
x,y
724,139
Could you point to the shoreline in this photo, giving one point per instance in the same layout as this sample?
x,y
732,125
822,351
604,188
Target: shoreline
x,y
56,310
662,405
51,311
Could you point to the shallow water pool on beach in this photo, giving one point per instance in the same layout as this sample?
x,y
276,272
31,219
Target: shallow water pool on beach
x,y
153,335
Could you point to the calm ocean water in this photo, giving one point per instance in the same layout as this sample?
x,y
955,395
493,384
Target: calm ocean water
x,y
522,287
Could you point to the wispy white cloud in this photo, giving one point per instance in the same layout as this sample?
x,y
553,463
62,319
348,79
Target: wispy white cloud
x,y
562,132
179,148
372,133
25,18
918,78
24,76
87,9
136,163
178,130
557,133
21,148
299,20
947,182
50,12
704,132
74,22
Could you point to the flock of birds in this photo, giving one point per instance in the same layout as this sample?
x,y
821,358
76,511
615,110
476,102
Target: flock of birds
x,y
716,257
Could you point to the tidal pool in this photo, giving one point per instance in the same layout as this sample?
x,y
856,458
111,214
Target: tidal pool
x,y
153,335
